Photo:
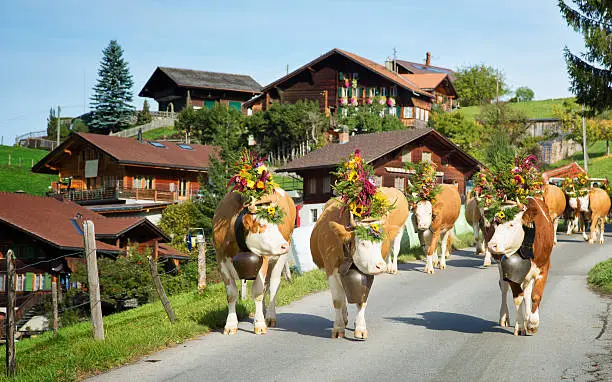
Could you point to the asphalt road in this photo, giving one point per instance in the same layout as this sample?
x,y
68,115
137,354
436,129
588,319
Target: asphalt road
x,y
436,328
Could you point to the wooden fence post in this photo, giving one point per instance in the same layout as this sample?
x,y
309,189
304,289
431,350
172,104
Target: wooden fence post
x,y
10,314
160,289
95,305
54,301
201,263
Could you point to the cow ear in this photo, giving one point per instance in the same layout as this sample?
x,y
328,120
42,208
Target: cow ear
x,y
341,231
248,220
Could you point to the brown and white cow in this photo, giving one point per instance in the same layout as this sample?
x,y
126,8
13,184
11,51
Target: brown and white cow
x,y
554,197
331,235
507,240
434,224
577,214
397,217
599,206
260,237
483,230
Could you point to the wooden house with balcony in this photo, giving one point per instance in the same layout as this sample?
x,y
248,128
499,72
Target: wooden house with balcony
x,y
339,80
174,88
388,152
95,168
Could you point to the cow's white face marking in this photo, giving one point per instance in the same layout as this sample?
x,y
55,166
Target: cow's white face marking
x,y
508,237
267,241
424,215
368,258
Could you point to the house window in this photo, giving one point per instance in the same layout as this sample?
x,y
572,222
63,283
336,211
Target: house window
x,y
355,76
314,215
417,112
426,157
383,92
40,280
312,186
406,157
408,112
394,91
183,187
399,183
2,281
426,115
378,181
393,111
20,283
327,184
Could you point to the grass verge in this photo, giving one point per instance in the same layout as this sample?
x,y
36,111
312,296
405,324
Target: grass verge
x,y
137,332
161,133
600,276
532,109
18,175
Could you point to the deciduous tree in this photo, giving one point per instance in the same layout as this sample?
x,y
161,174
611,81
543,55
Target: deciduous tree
x,y
523,94
479,84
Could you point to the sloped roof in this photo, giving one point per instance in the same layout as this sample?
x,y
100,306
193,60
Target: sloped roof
x,y
426,80
190,78
369,64
372,146
417,68
58,222
131,151
569,170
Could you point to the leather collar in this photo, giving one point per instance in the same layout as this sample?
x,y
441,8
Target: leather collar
x,y
239,231
526,249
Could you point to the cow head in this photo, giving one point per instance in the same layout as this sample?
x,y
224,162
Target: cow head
x,y
508,236
366,254
424,215
263,238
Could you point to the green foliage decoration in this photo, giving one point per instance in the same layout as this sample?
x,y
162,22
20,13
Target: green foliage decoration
x,y
423,183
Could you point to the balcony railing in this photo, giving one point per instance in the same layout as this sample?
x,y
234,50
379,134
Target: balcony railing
x,y
153,195
120,193
86,195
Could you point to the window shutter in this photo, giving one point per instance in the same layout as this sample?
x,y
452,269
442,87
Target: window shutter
x,y
350,92
47,282
341,76
28,281
340,92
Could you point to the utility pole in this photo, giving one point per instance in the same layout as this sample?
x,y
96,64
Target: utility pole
x,y
58,125
201,262
584,142
54,302
287,69
10,314
95,305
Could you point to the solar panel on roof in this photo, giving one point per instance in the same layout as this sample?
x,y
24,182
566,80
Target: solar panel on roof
x,y
157,144
184,146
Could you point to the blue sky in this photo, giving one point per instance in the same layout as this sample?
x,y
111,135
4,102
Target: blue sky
x,y
50,50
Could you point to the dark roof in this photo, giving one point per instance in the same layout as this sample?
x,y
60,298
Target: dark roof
x,y
418,68
368,64
131,151
189,78
56,223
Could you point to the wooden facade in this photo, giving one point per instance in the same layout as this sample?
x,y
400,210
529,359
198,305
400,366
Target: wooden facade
x,y
337,77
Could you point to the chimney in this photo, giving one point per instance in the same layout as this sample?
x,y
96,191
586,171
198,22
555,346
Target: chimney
x,y
428,59
389,64
139,135
343,136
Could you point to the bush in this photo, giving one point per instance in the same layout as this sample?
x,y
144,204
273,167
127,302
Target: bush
x,y
177,219
600,276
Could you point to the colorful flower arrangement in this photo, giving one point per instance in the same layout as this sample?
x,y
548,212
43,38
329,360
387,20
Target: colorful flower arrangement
x,y
354,84
391,102
353,101
606,187
343,101
347,83
423,184
253,180
382,100
499,192
356,189
371,232
369,101
576,187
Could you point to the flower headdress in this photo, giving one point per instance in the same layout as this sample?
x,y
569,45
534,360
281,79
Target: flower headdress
x,y
606,187
253,180
578,186
356,189
423,184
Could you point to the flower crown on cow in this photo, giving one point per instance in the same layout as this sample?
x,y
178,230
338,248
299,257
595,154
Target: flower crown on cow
x,y
253,180
500,192
356,189
423,184
605,185
578,186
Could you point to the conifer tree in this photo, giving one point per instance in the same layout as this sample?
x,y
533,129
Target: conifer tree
x,y
592,74
113,92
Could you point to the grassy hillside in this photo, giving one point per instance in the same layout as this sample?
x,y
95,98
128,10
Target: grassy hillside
x,y
600,165
160,133
533,109
18,176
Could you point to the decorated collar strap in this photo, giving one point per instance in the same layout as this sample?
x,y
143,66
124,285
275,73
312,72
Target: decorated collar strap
x,y
268,212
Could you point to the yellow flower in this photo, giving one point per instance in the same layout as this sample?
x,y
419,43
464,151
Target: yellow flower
x,y
260,185
501,214
357,210
250,184
353,176
375,227
261,169
271,211
243,173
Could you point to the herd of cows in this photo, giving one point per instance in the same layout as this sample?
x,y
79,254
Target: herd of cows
x,y
335,246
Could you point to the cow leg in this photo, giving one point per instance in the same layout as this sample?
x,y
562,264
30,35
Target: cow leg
x,y
444,248
595,228
431,251
275,279
527,302
571,223
503,311
258,291
478,240
519,299
339,301
555,225
533,324
231,323
582,225
395,248
602,229
360,325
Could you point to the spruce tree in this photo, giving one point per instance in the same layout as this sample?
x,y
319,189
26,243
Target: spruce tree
x,y
113,92
591,75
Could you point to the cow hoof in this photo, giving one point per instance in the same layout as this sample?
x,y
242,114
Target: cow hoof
x,y
486,263
261,330
442,266
271,322
600,241
230,331
361,334
435,264
337,333
520,332
429,271
504,322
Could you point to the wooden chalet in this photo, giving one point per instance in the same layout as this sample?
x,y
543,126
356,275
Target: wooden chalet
x,y
433,79
93,167
46,237
174,88
339,80
388,152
